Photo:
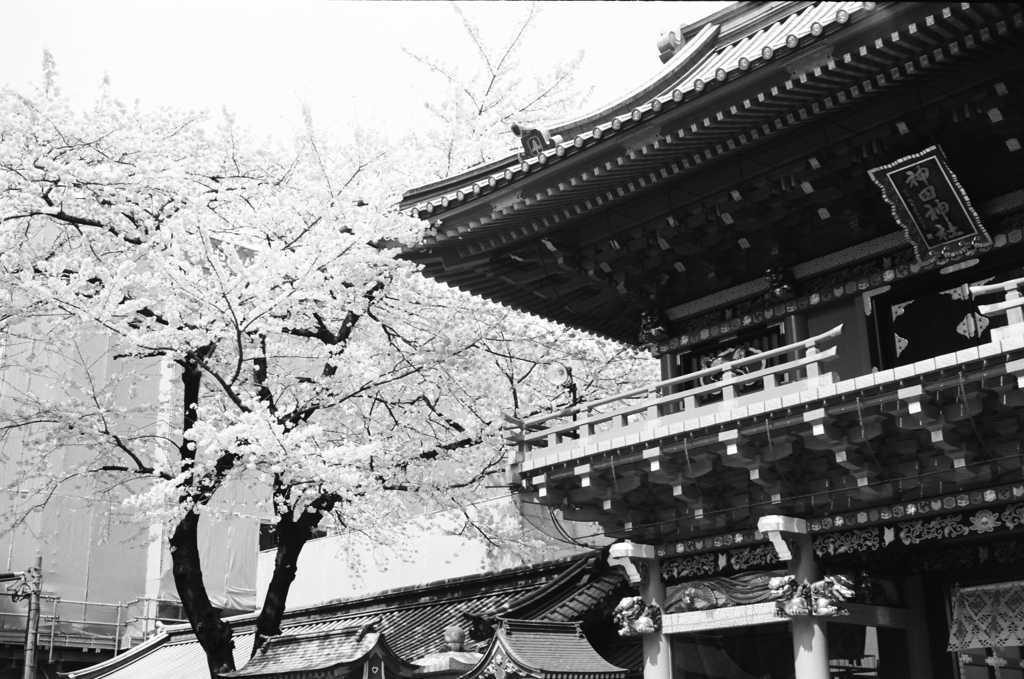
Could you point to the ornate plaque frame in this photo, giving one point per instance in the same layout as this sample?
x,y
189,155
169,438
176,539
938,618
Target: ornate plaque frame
x,y
929,203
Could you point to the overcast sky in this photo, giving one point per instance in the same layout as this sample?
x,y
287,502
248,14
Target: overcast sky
x,y
261,60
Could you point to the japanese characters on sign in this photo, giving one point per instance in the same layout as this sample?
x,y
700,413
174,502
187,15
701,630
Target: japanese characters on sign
x,y
931,206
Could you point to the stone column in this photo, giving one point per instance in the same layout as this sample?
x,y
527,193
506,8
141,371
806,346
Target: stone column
x,y
641,565
792,543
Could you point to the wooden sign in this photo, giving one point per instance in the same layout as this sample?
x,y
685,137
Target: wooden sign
x,y
930,205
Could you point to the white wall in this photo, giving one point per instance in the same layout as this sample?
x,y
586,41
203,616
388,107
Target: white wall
x,y
344,566
326,572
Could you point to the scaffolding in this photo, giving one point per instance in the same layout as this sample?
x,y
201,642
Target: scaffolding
x,y
67,623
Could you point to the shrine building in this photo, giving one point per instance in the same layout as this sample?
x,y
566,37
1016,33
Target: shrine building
x,y
813,217
545,621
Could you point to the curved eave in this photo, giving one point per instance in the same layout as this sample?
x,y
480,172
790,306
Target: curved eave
x,y
493,647
396,664
685,78
672,73
123,660
268,667
606,167
509,641
885,57
499,646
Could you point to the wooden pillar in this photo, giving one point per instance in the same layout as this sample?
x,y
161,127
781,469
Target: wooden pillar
x,y
810,643
669,369
918,648
789,537
669,366
657,649
641,565
794,329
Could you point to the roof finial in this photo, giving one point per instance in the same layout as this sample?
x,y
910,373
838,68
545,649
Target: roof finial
x,y
535,140
454,638
671,42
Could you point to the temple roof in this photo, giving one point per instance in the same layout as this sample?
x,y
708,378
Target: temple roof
x,y
168,655
412,618
296,654
749,150
575,595
702,56
547,650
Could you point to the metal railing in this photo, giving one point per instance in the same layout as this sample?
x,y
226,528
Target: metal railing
x,y
62,628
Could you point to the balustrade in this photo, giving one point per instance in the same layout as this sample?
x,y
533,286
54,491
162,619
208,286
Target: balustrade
x,y
1011,306
616,415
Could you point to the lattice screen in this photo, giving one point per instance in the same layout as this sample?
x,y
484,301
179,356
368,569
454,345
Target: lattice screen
x,y
988,616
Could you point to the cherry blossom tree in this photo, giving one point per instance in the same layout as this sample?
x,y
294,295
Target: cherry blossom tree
x,y
307,357
477,100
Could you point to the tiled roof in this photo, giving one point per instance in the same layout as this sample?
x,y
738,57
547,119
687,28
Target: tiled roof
x,y
570,596
727,60
412,619
162,658
553,649
417,631
625,652
309,652
588,596
651,207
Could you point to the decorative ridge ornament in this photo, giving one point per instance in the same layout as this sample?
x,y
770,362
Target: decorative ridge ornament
x,y
454,639
654,327
535,140
931,206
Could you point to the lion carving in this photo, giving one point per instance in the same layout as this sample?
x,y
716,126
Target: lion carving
x,y
820,598
634,617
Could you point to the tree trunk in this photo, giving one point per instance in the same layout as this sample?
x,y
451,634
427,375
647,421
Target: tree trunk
x,y
292,537
214,634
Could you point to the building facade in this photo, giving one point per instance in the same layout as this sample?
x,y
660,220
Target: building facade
x,y
105,581
813,216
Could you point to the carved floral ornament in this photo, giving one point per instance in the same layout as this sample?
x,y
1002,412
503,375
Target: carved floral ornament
x,y
895,513
959,557
982,521
501,667
712,542
706,564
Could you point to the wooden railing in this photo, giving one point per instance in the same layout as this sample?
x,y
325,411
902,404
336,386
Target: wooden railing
x,y
671,396
1011,306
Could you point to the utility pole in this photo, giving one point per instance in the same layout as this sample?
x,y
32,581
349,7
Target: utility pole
x,y
34,580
